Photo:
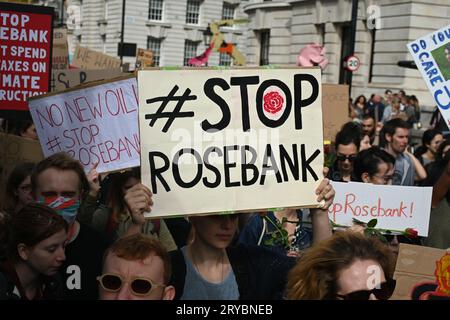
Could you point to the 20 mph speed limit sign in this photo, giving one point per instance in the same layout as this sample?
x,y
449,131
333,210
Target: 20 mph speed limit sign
x,y
352,63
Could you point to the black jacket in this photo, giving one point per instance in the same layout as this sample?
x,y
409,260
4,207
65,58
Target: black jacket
x,y
52,288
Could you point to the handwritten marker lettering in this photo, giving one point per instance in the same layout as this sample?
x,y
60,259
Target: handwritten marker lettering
x,y
171,116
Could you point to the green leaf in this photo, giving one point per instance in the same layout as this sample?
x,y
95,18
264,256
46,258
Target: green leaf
x,y
354,220
372,223
383,239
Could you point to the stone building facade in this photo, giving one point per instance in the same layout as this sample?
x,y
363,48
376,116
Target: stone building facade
x,y
384,27
173,29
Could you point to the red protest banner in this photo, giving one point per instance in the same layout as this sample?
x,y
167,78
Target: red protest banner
x,y
26,34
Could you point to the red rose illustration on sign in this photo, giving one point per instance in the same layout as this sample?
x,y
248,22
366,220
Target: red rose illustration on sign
x,y
273,102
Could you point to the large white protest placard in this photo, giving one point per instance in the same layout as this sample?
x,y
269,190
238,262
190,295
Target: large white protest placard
x,y
432,56
395,207
230,140
94,123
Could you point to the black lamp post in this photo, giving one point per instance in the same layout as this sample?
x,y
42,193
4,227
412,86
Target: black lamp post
x,y
352,39
122,32
207,34
61,22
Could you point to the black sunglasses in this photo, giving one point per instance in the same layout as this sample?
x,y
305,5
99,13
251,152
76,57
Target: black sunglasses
x,y
342,157
139,286
384,292
400,238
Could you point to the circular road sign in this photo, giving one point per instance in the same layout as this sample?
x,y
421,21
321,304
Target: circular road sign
x,y
352,63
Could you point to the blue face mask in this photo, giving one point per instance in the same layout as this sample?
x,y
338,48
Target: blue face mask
x,y
66,207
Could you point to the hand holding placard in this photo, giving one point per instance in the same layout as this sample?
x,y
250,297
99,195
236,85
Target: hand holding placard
x,y
138,200
94,181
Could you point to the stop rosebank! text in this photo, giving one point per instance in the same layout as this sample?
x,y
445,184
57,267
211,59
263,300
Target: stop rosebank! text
x,y
375,210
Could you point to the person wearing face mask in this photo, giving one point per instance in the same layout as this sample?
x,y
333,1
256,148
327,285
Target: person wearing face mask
x,y
60,183
36,239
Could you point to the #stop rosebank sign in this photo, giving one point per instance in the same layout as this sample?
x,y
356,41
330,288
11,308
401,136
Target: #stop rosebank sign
x,y
230,140
25,54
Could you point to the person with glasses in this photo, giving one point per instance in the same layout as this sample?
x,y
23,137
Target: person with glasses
x,y
376,166
17,193
36,240
348,266
347,145
136,267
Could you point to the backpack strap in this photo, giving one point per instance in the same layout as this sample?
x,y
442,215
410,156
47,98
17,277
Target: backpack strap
x,y
238,260
262,232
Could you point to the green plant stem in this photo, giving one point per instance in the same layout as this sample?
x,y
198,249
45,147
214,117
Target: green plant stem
x,y
335,225
284,240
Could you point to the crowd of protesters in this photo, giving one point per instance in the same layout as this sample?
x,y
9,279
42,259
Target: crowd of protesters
x,y
65,234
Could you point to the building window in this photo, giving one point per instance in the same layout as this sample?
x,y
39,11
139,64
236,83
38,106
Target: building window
x,y
190,51
103,37
155,11
154,44
227,11
224,59
264,50
321,33
346,50
193,11
106,8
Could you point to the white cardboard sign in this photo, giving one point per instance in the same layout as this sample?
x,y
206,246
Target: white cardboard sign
x,y
93,124
431,54
230,140
395,207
